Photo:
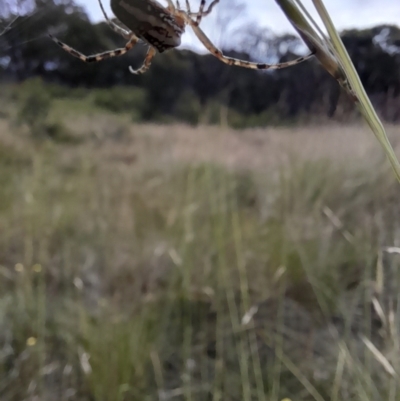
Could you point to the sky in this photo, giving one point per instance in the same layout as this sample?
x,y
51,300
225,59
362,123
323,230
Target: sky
x,y
345,14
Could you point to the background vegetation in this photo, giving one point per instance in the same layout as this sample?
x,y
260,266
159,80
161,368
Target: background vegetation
x,y
185,86
144,261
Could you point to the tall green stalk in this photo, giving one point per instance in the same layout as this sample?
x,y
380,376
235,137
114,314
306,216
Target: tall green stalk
x,y
333,56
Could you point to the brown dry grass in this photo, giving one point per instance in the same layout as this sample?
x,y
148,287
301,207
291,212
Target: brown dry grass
x,y
114,138
262,148
154,240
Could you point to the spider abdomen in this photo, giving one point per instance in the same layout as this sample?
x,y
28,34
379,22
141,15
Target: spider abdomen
x,y
150,21
161,28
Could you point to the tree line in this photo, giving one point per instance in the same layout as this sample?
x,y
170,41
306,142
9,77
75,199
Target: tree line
x,y
184,83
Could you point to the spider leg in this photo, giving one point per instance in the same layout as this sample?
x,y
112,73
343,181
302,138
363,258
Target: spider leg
x,y
147,62
233,61
100,56
201,13
188,7
123,32
171,7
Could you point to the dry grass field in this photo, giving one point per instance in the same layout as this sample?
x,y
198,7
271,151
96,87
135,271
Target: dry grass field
x,y
167,262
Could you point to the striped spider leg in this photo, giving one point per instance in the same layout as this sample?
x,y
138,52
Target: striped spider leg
x,y
161,28
99,56
123,32
127,34
147,20
201,13
229,60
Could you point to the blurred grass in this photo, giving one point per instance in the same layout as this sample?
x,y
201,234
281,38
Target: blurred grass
x,y
132,105
154,262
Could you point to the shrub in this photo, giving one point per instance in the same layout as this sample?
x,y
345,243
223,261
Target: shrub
x,y
119,99
188,108
34,106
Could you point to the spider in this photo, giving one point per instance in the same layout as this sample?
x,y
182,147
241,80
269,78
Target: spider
x,y
161,28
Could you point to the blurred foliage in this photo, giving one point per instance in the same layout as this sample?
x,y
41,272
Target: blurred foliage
x,y
120,99
182,84
123,283
34,105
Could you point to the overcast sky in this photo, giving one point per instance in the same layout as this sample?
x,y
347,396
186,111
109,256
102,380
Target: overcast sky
x,y
345,14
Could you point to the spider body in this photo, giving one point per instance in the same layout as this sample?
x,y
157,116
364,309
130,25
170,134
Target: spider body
x,y
161,28
151,22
